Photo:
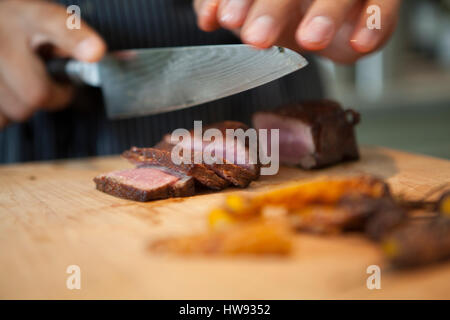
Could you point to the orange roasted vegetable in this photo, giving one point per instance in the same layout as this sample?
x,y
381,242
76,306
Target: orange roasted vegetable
x,y
316,200
250,238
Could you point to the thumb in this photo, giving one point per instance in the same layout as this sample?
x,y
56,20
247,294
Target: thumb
x,y
83,44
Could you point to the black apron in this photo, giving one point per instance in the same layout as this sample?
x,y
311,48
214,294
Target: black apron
x,y
83,130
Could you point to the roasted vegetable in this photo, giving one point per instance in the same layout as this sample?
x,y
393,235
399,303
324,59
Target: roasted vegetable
x,y
322,206
297,196
263,223
375,216
419,243
443,205
324,219
251,238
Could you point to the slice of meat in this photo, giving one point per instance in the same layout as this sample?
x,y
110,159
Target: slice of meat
x,y
251,164
144,157
233,169
236,175
145,184
312,134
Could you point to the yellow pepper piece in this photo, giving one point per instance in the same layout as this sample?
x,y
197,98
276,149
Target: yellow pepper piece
x,y
390,248
219,218
444,205
235,203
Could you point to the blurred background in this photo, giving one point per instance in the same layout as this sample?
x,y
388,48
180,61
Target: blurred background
x,y
403,92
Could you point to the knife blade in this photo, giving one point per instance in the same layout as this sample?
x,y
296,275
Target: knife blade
x,y
151,81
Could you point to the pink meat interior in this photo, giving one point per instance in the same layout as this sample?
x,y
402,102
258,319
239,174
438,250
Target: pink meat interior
x,y
144,178
232,151
296,140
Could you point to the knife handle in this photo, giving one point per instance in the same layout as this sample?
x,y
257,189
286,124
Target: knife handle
x,y
57,68
73,71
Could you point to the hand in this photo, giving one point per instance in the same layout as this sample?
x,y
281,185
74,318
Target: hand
x,y
336,29
25,85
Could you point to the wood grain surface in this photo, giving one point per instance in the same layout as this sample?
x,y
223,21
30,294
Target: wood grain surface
x,y
51,217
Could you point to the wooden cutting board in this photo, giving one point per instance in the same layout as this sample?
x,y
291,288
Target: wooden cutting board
x,y
52,217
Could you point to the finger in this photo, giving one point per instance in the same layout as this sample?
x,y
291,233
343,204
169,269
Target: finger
x,y
3,121
232,13
58,96
83,44
321,22
47,50
26,77
10,106
365,39
340,50
197,5
207,15
267,20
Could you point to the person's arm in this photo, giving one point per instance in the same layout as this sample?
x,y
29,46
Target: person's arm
x,y
25,85
336,29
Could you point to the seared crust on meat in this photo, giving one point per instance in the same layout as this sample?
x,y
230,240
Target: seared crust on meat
x,y
332,130
121,188
163,178
238,175
162,158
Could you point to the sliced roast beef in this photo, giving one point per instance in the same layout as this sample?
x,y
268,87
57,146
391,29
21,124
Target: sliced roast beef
x,y
144,157
236,175
145,184
312,134
237,165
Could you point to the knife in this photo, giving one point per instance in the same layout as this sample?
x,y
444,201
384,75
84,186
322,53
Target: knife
x,y
151,81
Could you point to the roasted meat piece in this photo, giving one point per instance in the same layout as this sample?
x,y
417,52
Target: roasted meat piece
x,y
234,174
237,167
145,184
313,134
144,157
157,176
